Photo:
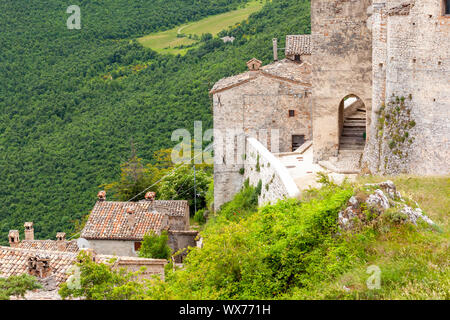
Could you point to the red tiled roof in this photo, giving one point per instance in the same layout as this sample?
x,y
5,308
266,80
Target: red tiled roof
x,y
52,245
14,262
109,221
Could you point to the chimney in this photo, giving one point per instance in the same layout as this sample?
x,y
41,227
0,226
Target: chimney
x,y
101,195
61,236
39,266
13,238
150,197
275,49
131,218
29,231
254,64
61,241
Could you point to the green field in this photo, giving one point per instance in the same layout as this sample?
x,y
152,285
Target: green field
x,y
169,41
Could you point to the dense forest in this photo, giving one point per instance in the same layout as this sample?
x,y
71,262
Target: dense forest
x,y
71,101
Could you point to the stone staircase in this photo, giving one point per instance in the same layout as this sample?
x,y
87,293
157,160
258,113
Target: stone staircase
x,y
351,144
353,133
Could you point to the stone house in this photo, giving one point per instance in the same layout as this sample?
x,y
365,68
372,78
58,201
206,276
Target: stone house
x,y
53,267
118,228
271,103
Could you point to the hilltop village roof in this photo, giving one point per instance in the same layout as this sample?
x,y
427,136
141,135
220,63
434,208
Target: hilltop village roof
x,y
113,220
52,245
298,44
283,70
14,261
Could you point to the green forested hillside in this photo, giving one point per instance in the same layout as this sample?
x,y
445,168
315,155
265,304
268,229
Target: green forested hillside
x,y
72,100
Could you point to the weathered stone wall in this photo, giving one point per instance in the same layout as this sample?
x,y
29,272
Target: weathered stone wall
x,y
179,222
152,266
260,108
114,247
342,65
261,166
179,240
410,60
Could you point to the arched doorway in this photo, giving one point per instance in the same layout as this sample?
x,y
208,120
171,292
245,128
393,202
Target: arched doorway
x,y
352,123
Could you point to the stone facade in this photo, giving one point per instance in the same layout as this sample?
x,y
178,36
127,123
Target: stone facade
x,y
341,59
410,60
262,167
272,104
124,248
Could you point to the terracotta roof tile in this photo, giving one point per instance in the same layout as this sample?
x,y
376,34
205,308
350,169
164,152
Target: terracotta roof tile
x,y
52,245
110,220
298,44
14,261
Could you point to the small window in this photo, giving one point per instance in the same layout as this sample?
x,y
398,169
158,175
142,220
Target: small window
x,y
137,246
291,113
297,57
446,7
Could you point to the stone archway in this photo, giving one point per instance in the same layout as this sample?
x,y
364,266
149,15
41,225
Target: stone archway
x,y
352,123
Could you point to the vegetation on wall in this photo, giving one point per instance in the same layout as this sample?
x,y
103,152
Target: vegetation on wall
x,y
394,131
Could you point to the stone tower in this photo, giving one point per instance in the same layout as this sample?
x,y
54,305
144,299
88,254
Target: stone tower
x,y
411,80
342,67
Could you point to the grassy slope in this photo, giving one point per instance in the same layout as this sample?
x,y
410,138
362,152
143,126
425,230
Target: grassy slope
x,y
414,262
290,250
167,41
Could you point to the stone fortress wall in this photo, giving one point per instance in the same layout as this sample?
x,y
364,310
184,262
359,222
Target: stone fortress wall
x,y
391,54
411,60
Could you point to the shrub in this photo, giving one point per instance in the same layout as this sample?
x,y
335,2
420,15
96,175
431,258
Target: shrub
x,y
155,246
17,286
199,216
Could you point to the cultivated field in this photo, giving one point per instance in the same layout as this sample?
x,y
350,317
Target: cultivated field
x,y
168,41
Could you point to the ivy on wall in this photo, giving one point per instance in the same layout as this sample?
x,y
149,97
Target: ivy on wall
x,y
394,126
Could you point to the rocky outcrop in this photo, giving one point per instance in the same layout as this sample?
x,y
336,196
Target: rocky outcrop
x,y
362,209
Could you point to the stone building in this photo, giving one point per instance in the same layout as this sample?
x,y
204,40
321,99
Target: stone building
x,y
118,228
342,68
410,62
53,267
271,103
375,93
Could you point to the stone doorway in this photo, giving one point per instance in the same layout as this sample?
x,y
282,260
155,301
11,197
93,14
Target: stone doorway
x,y
352,124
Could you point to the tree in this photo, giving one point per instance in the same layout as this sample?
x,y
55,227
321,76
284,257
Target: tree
x,y
98,281
134,179
17,286
155,246
180,186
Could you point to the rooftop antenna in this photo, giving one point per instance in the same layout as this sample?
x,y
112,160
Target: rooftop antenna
x,y
195,193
